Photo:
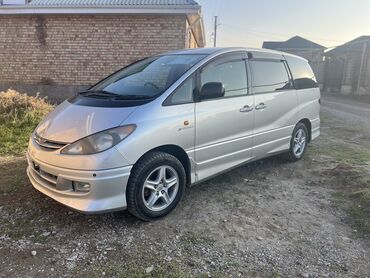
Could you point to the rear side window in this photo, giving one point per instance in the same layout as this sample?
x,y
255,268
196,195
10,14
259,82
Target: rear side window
x,y
231,73
269,76
302,73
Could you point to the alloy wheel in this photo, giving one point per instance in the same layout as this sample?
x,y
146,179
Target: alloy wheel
x,y
299,144
160,188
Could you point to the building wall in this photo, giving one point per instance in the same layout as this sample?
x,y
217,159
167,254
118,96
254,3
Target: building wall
x,y
365,78
78,50
343,72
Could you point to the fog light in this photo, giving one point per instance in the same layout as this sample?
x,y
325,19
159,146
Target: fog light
x,y
81,186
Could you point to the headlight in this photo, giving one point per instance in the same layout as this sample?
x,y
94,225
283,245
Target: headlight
x,y
99,142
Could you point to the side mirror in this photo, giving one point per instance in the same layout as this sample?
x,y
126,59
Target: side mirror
x,y
212,90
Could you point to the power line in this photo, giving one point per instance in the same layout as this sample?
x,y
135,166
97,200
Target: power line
x,y
219,3
259,33
327,48
279,36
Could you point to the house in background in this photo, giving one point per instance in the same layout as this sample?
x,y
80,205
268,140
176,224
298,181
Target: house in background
x,y
299,46
347,67
60,46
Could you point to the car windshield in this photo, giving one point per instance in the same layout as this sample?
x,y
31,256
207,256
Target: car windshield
x,y
147,78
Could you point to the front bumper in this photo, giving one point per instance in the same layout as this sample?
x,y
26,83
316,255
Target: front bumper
x,y
107,187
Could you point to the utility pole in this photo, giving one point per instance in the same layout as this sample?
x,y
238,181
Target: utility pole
x,y
215,32
363,56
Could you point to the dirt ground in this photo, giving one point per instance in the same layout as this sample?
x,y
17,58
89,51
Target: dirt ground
x,y
267,219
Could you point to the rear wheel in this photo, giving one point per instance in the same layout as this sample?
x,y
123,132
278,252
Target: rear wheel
x,y
156,186
298,143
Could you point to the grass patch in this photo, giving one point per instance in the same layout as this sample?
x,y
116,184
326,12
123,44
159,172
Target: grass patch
x,y
191,240
22,228
357,206
360,210
13,174
19,115
28,226
351,180
14,138
134,268
345,154
341,153
360,217
352,195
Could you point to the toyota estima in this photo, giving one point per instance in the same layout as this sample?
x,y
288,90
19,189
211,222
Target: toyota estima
x,y
140,137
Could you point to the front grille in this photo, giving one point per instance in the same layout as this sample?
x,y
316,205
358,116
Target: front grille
x,y
48,144
42,176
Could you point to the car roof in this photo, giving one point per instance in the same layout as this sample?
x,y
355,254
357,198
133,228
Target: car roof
x,y
203,51
256,52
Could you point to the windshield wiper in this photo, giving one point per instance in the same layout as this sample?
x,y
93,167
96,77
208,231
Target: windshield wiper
x,y
98,94
132,97
115,96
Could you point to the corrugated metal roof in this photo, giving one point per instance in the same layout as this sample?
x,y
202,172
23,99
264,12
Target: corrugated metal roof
x,y
190,8
295,42
355,45
111,3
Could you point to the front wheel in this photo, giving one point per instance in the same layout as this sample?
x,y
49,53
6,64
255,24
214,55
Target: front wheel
x,y
156,186
298,143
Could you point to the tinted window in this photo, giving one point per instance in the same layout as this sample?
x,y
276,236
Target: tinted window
x,y
269,76
303,76
183,94
149,77
232,73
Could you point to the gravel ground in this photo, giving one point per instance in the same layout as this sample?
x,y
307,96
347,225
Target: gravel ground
x,y
267,219
348,110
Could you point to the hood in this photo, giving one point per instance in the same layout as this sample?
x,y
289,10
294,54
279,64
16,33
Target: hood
x,y
69,122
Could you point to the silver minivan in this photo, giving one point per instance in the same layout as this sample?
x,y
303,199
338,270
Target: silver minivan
x,y
137,139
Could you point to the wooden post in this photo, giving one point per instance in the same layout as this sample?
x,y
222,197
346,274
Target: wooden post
x,y
215,32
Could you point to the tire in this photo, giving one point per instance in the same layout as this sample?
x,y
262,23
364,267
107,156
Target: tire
x,y
153,180
299,137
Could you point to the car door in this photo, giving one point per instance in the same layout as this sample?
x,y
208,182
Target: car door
x,y
276,106
224,125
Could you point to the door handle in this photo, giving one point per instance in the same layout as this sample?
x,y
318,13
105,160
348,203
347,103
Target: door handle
x,y
261,106
246,109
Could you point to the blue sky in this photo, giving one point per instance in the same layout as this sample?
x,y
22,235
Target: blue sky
x,y
250,22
